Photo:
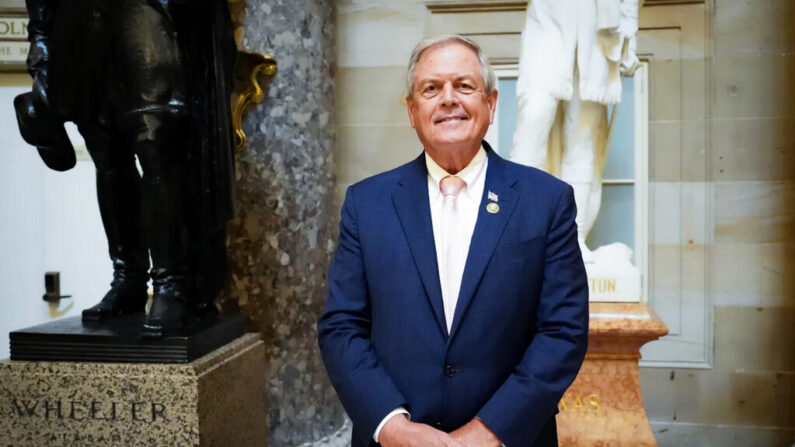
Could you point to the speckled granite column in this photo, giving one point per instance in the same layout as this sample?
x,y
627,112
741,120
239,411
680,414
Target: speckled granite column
x,y
282,239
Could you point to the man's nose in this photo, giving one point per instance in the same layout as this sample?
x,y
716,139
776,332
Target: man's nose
x,y
448,95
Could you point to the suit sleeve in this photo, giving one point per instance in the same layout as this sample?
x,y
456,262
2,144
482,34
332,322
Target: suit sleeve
x,y
526,401
364,387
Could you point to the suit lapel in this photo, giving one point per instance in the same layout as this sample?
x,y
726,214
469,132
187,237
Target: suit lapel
x,y
488,231
410,198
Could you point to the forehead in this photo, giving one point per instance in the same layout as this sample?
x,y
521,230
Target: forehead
x,y
448,59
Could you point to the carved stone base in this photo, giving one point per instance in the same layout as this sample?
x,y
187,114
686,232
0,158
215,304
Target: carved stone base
x,y
604,405
218,399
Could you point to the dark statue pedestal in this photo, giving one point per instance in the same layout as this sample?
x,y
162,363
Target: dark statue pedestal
x,y
215,400
120,340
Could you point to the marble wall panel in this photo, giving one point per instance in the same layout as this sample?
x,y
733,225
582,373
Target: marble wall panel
x,y
754,86
661,43
757,275
374,95
677,293
368,150
675,41
754,398
500,48
665,213
678,434
655,385
695,150
755,338
677,275
684,29
744,27
678,89
718,396
678,151
760,212
665,90
498,33
748,147
665,151
685,348
754,149
378,33
679,213
665,280
490,22
694,89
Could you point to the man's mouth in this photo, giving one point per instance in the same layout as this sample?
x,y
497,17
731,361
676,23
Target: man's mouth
x,y
451,118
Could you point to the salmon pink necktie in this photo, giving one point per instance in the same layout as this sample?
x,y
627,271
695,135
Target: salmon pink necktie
x,y
452,258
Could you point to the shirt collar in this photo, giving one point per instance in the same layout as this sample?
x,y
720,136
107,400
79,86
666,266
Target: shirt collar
x,y
470,174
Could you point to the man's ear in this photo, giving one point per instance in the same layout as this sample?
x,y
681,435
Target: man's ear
x,y
410,108
492,99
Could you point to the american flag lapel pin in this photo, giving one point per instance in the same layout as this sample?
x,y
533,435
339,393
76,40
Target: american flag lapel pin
x,y
493,197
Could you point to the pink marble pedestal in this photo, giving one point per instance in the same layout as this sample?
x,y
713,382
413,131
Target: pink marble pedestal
x,y
604,405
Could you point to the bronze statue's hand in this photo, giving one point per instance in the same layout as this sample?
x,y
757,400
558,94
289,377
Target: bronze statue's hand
x,y
40,88
38,67
38,57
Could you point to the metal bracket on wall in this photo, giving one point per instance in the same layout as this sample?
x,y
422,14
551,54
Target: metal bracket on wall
x,y
52,287
254,72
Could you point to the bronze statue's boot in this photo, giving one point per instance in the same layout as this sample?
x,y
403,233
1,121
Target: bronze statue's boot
x,y
169,310
158,138
127,295
119,197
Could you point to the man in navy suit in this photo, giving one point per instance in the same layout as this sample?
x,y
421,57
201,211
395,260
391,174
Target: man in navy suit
x,y
457,312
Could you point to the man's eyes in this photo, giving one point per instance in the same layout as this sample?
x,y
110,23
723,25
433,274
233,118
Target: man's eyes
x,y
432,89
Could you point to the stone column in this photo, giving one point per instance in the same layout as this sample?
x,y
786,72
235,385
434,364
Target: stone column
x,y
282,238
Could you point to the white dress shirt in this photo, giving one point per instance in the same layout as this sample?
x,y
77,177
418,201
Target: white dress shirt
x,y
467,204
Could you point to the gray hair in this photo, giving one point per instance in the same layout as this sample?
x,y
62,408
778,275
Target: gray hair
x,y
485,68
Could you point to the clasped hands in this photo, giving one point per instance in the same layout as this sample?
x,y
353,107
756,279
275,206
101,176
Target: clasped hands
x,y
400,432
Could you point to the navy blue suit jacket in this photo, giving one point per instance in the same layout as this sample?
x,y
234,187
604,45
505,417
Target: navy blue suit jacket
x,y
520,328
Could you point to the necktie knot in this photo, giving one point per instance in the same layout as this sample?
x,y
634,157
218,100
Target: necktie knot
x,y
451,185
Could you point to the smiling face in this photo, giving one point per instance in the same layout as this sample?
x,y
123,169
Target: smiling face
x,y
449,107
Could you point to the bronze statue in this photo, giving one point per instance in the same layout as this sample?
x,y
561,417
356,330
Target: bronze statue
x,y
145,79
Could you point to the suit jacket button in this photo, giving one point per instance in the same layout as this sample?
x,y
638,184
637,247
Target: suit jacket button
x,y
449,370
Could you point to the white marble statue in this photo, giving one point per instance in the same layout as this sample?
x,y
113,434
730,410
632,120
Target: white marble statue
x,y
573,55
